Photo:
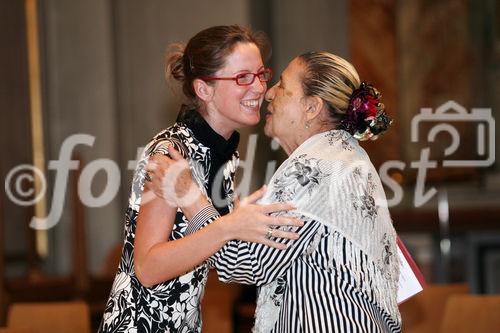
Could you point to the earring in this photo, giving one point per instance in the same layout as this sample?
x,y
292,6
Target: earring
x,y
308,124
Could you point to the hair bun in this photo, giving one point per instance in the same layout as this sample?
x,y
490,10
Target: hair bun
x,y
175,62
365,116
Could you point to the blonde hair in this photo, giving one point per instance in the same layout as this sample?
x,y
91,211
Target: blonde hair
x,y
331,78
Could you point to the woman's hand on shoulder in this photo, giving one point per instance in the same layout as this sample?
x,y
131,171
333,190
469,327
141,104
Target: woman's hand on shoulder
x,y
170,179
252,222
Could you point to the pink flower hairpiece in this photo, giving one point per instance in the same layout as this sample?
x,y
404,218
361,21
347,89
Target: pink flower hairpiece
x,y
365,117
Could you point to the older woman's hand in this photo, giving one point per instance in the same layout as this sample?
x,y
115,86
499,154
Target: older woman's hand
x,y
253,223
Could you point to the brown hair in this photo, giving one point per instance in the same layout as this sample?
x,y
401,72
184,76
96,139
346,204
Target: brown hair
x,y
206,52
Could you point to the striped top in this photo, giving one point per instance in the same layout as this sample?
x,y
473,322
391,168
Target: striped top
x,y
310,294
341,275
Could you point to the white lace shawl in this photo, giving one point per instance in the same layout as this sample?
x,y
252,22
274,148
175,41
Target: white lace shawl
x,y
331,180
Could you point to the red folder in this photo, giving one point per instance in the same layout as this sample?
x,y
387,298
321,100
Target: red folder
x,y
411,280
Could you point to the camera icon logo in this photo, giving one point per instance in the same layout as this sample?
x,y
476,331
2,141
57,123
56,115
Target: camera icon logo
x,y
454,112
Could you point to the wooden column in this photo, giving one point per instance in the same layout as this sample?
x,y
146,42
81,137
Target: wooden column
x,y
37,137
438,62
374,54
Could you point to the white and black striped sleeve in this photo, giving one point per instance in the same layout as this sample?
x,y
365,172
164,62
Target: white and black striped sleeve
x,y
254,263
204,217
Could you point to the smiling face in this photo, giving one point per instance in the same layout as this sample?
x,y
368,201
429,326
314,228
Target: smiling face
x,y
232,106
285,117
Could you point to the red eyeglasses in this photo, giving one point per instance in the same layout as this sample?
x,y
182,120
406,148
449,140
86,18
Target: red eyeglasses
x,y
245,79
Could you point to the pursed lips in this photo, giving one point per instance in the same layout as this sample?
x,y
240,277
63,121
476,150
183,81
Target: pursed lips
x,y
268,112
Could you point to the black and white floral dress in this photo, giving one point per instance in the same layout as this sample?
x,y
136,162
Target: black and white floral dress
x,y
174,305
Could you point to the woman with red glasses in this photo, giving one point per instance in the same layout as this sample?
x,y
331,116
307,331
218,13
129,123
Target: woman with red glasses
x,y
162,273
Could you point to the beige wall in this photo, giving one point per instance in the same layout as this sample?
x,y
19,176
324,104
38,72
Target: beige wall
x,y
104,77
80,93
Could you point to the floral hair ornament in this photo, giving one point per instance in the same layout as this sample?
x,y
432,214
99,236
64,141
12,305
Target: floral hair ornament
x,y
365,116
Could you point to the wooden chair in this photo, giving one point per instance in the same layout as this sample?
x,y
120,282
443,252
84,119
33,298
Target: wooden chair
x,y
472,313
51,317
424,312
14,330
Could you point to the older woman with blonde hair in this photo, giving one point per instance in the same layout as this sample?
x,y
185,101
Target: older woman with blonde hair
x,y
342,274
